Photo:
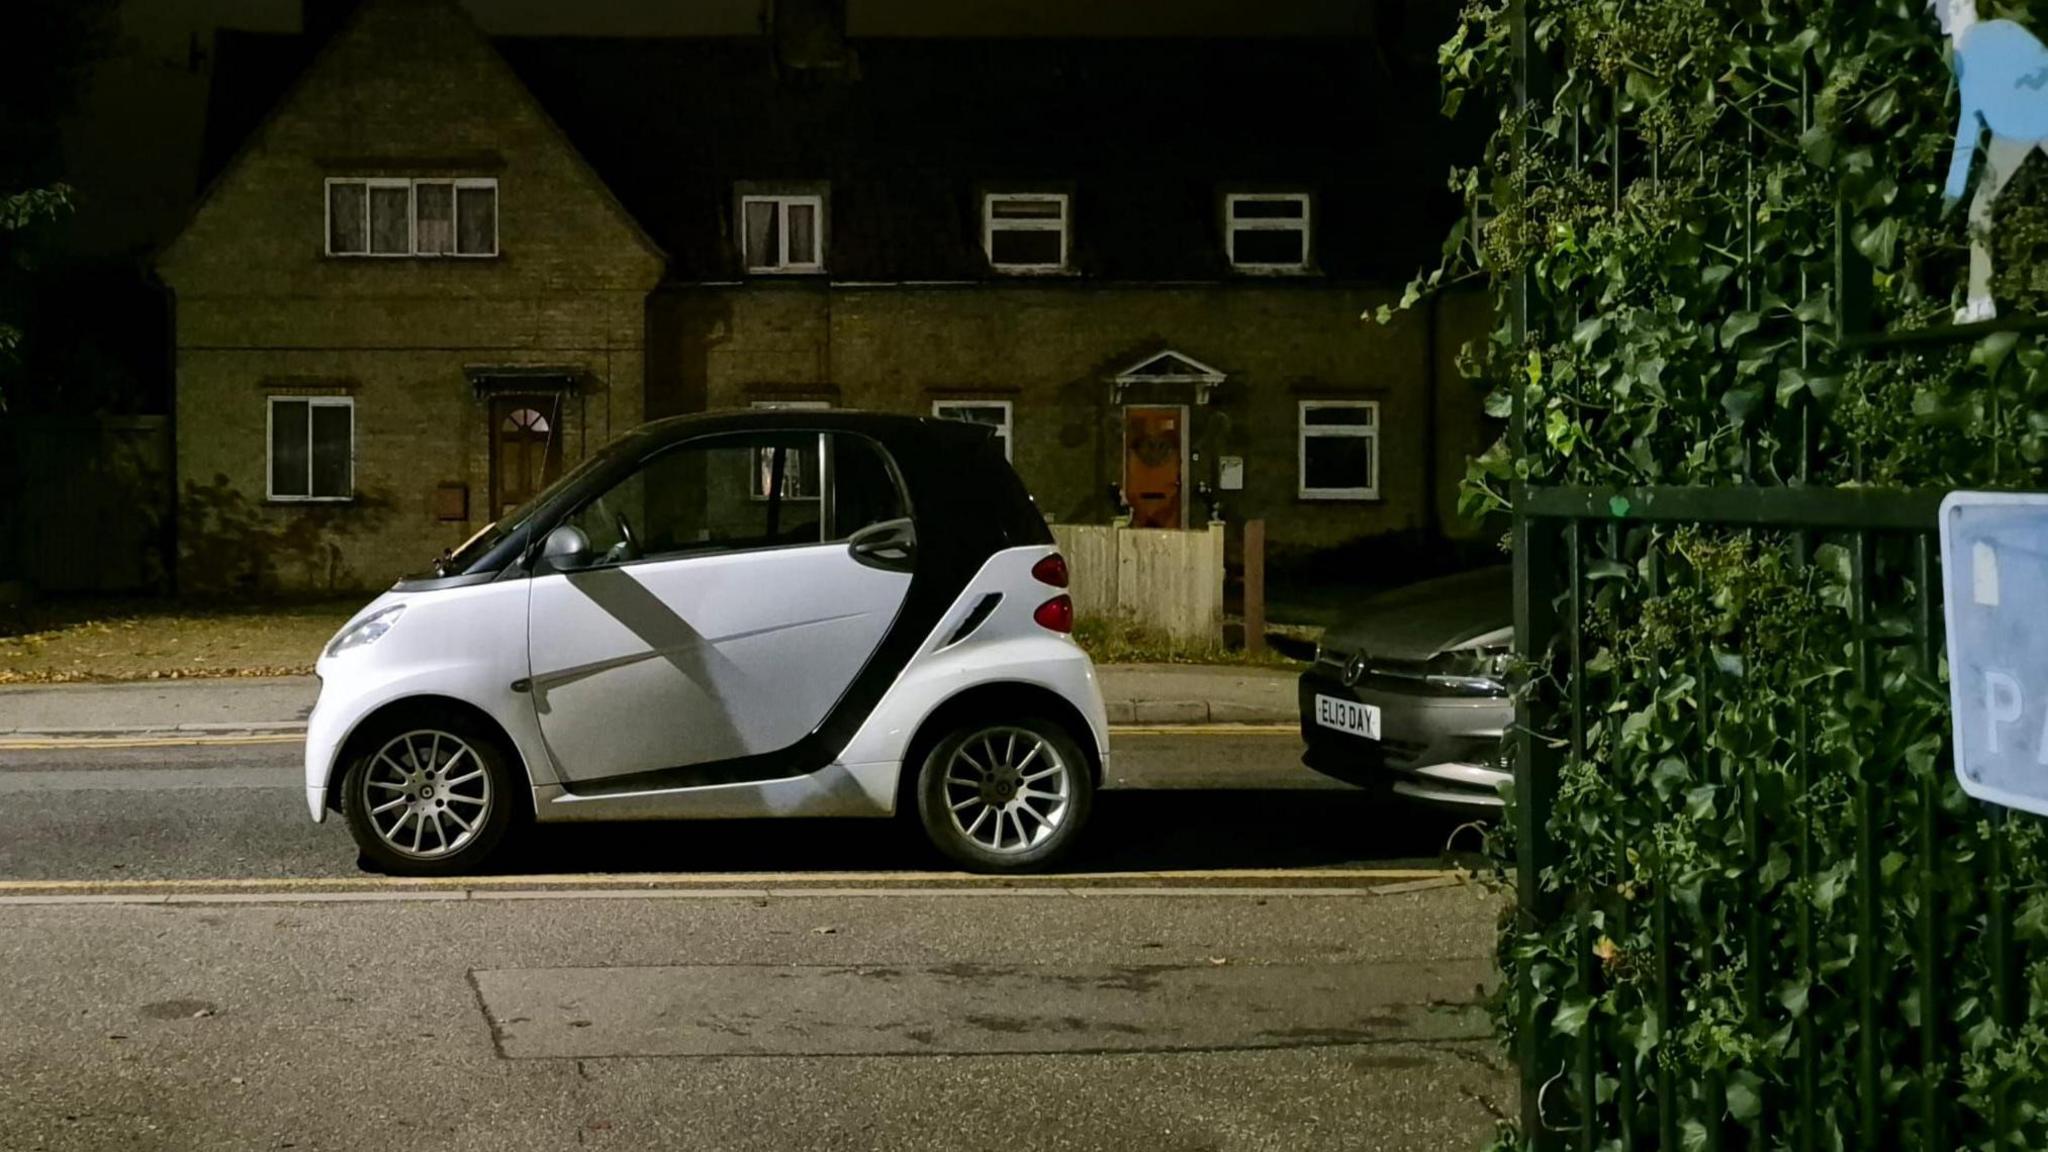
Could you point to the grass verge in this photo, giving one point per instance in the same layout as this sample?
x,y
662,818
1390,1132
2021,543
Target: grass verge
x,y
62,641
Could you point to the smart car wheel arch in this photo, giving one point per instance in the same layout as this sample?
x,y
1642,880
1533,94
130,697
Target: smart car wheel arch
x,y
995,703
425,710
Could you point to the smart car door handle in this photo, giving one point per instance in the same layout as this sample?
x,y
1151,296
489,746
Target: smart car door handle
x,y
890,545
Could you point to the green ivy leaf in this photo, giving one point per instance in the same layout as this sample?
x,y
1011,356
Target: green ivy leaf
x,y
1791,381
1571,1016
1561,431
1829,886
1833,559
1650,374
1776,868
1699,802
2032,921
1588,331
1737,326
1794,998
1670,771
1745,1098
1741,403
1880,243
1990,352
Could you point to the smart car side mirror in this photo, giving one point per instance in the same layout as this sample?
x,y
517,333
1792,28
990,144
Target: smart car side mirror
x,y
566,548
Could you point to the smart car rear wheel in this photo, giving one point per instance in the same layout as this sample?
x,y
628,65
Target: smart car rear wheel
x,y
1005,796
428,798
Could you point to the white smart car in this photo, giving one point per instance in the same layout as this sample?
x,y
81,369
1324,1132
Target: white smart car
x,y
763,613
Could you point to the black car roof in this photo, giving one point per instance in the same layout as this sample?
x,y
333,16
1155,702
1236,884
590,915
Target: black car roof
x,y
889,427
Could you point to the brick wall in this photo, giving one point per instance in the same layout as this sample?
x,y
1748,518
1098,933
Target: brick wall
x,y
1052,350
409,88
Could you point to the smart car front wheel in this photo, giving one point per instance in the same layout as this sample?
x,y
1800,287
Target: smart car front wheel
x,y
427,798
1005,796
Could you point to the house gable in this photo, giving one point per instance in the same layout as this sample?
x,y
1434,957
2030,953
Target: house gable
x,y
407,88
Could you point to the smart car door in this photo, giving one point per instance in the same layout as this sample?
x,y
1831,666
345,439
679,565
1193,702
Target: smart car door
x,y
731,590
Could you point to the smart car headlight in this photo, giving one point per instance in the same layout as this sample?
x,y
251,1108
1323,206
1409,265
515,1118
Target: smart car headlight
x,y
366,631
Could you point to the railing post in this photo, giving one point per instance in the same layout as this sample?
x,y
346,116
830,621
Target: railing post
x,y
1536,772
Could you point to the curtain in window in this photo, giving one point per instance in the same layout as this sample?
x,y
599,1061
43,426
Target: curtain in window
x,y
390,221
764,239
478,219
346,231
436,219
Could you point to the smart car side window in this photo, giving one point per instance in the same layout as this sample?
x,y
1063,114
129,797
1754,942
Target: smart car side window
x,y
742,492
864,486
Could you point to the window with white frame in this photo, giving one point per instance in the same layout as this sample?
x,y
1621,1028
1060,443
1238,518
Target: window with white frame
x,y
995,414
399,216
1025,232
1340,449
783,233
1267,231
312,448
800,474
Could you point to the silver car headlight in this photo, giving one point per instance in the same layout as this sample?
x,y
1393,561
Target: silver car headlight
x,y
366,631
1481,671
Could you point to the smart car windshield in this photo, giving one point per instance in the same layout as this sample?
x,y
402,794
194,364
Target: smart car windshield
x,y
485,549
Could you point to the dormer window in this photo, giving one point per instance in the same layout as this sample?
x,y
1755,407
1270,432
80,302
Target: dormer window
x,y
1267,231
783,233
1025,232
403,216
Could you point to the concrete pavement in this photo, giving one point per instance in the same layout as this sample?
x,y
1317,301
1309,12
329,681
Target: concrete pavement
x,y
1134,693
829,1021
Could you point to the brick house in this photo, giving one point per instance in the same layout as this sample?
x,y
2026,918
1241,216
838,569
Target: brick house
x,y
438,269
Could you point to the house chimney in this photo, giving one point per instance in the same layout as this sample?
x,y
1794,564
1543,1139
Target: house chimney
x,y
809,35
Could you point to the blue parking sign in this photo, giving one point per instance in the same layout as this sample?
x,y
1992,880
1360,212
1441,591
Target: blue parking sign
x,y
1994,567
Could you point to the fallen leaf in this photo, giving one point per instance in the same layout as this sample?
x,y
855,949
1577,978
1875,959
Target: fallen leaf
x,y
1219,961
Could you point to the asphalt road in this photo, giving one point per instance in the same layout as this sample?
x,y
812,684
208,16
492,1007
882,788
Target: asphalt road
x,y
1174,802
202,968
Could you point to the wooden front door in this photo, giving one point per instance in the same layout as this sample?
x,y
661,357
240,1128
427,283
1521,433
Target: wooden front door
x,y
526,449
1154,440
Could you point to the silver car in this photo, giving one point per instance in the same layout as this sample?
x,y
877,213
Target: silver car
x,y
1409,692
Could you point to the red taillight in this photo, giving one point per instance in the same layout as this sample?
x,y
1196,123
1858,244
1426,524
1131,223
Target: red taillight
x,y
1056,614
1051,570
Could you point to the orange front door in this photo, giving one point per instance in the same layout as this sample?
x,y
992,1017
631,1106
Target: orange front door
x,y
1152,454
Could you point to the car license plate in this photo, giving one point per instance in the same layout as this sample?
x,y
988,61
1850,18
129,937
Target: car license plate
x,y
1348,716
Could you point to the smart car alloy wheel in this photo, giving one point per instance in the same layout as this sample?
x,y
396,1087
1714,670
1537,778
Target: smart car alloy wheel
x,y
1007,791
426,794
1004,796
